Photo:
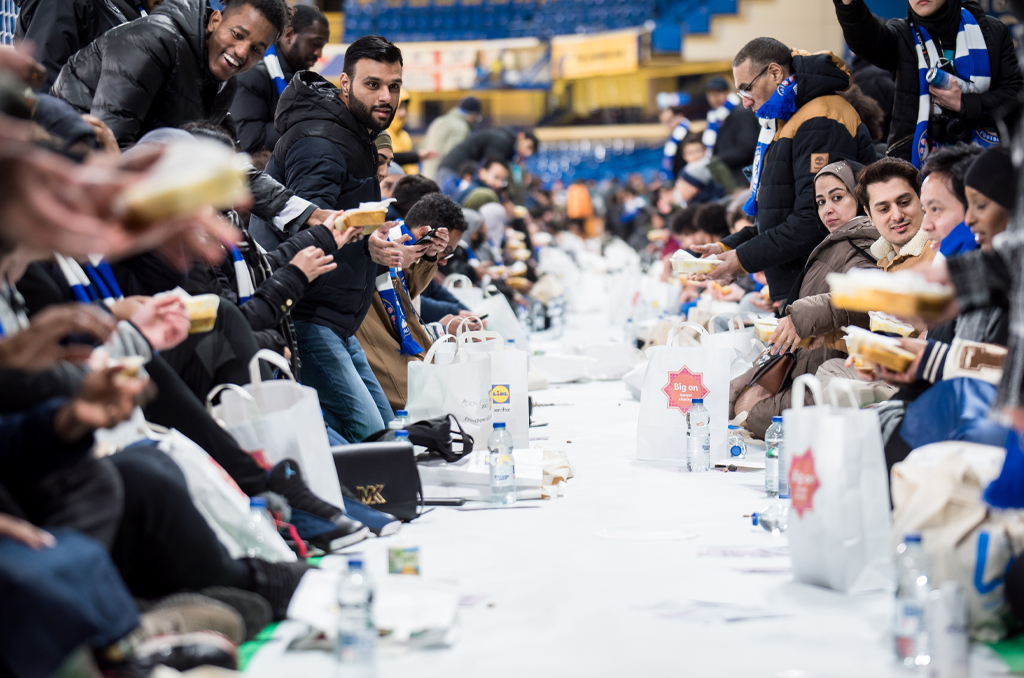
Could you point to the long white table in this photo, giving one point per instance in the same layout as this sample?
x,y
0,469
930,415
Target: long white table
x,y
582,586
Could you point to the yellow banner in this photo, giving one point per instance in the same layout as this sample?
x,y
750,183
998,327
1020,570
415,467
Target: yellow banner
x,y
583,57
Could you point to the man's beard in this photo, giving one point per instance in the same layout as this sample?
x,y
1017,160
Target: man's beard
x,y
365,117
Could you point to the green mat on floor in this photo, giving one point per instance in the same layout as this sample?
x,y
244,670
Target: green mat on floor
x,y
1011,651
247,651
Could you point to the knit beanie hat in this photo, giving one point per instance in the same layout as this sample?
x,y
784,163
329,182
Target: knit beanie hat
x,y
844,170
697,174
991,174
383,140
479,197
471,105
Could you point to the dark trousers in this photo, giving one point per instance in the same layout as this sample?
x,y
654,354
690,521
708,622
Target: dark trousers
x,y
164,544
176,406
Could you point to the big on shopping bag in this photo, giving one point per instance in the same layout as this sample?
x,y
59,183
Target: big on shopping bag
x,y
278,420
219,500
839,519
461,387
675,376
510,397
937,492
501,318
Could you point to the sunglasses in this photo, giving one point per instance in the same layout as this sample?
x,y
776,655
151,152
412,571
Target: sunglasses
x,y
745,90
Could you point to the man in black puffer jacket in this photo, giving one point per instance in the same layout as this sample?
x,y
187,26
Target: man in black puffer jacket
x,y
175,66
805,125
891,46
326,155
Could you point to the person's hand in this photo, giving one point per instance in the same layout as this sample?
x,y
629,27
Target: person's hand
x,y
39,348
313,262
350,234
25,532
728,271
429,154
760,302
909,376
947,98
163,321
325,217
21,62
708,250
452,323
438,243
105,399
124,309
785,337
411,254
384,252
104,135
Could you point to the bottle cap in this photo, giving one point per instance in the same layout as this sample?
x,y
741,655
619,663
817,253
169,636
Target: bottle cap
x,y
733,427
913,538
258,502
401,413
499,424
776,419
401,433
697,401
355,563
753,518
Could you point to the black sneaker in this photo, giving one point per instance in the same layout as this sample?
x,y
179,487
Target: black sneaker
x,y
321,524
276,582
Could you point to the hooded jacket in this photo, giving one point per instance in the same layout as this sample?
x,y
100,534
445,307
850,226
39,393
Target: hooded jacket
x,y
325,156
810,305
147,74
499,142
825,128
66,26
890,46
255,104
444,134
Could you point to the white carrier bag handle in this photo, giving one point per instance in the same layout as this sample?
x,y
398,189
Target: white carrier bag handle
x,y
457,280
735,322
802,383
428,359
670,341
843,387
483,335
461,328
275,359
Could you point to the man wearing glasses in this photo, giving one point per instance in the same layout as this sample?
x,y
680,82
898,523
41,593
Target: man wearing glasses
x,y
805,125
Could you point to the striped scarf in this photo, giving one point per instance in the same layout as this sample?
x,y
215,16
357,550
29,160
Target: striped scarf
x,y
243,279
715,119
973,75
678,134
93,282
273,65
387,288
781,106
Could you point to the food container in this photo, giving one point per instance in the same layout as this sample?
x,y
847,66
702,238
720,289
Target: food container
x,y
902,294
763,328
687,264
202,312
881,322
869,347
130,365
369,215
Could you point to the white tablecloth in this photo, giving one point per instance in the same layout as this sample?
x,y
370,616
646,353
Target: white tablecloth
x,y
579,586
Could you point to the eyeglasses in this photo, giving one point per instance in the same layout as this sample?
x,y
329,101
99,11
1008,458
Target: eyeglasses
x,y
745,90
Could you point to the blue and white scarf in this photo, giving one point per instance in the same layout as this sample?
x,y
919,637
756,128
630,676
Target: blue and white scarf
x,y
715,119
388,291
273,65
243,278
668,159
93,282
781,106
974,74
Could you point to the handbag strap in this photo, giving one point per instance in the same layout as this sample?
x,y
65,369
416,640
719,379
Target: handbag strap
x,y
802,383
672,333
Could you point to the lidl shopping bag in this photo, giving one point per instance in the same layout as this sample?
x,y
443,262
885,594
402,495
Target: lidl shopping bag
x,y
937,492
277,420
461,387
675,376
839,518
510,397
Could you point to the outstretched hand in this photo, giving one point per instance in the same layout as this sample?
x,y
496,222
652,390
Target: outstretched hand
x,y
39,348
163,321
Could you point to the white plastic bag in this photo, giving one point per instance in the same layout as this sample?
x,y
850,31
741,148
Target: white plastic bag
x,y
461,387
277,420
675,376
510,398
219,499
839,519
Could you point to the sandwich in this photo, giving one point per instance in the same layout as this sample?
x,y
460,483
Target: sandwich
x,y
369,215
868,347
684,263
902,294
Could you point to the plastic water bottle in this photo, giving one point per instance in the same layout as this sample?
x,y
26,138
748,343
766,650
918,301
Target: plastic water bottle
x,y
737,446
775,484
774,518
503,469
258,524
698,437
356,644
913,589
401,436
400,422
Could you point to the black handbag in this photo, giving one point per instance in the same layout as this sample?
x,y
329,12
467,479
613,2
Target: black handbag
x,y
437,436
382,475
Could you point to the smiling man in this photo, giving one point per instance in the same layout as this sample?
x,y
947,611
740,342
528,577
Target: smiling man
x,y
890,191
170,68
299,48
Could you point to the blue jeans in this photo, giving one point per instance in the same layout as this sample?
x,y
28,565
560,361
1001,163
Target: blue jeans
x,y
353,402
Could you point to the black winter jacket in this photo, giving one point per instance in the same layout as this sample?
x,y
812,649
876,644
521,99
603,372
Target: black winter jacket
x,y
499,142
66,26
147,74
737,141
326,157
824,129
878,84
890,46
254,107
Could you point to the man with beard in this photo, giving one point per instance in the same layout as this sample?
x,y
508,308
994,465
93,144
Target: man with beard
x,y
326,155
298,48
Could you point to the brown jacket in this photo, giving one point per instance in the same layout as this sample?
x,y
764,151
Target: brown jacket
x,y
381,342
914,253
812,311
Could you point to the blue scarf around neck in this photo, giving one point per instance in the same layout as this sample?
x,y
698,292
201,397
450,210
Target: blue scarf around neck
x,y
781,106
